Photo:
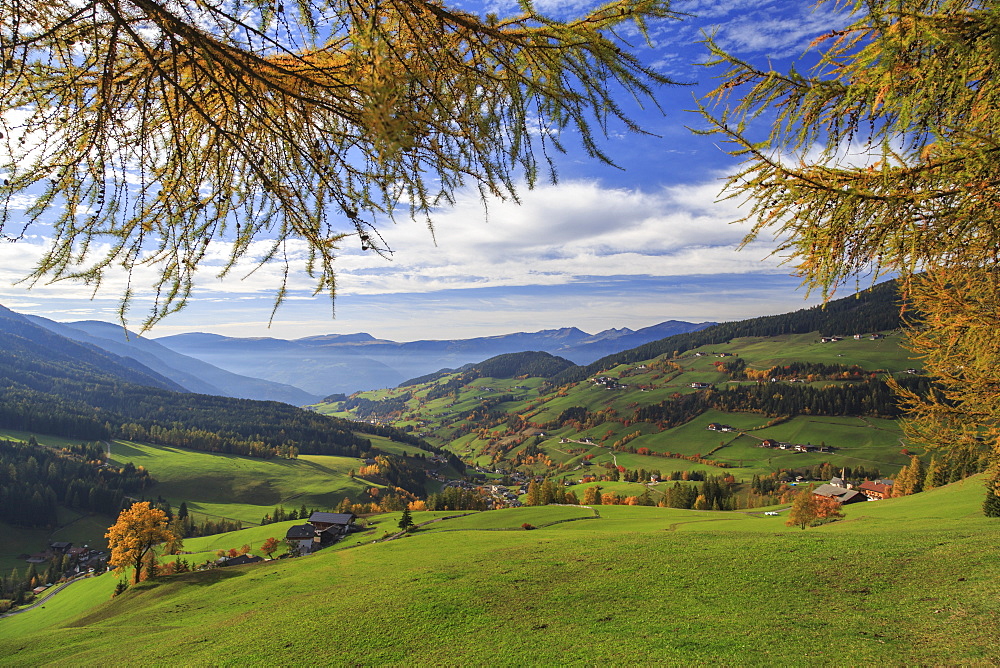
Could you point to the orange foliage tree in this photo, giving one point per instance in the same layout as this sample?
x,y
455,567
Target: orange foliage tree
x,y
270,546
807,508
136,532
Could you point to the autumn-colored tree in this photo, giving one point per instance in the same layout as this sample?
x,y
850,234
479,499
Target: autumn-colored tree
x,y
803,510
827,508
592,496
175,544
910,479
882,160
937,473
152,126
808,507
270,546
138,530
532,496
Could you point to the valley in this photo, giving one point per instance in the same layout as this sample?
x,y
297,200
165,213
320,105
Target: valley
x,y
630,507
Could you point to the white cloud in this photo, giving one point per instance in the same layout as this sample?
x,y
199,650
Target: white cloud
x,y
558,234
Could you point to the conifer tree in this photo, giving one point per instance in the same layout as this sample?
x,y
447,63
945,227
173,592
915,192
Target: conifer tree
x,y
937,473
405,520
882,160
532,497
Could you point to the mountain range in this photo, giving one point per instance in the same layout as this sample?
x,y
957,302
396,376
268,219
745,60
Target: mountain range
x,y
188,373
345,363
300,371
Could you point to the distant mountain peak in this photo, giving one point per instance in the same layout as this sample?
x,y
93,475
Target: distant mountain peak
x,y
359,337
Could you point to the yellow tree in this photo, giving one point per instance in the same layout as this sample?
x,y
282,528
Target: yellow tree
x,y
133,536
882,160
803,510
148,128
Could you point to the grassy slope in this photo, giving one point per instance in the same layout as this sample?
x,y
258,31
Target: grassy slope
x,y
213,485
868,442
242,488
905,581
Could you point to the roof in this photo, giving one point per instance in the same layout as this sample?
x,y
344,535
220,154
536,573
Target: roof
x,y
300,532
839,493
243,559
874,486
332,518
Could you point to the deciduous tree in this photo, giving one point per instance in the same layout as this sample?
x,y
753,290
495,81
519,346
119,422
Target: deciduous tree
x,y
149,128
807,508
270,546
138,530
882,160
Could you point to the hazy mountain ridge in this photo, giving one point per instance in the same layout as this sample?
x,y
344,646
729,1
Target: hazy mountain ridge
x,y
24,342
348,363
189,372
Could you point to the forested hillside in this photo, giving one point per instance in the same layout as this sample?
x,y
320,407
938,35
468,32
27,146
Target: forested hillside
x,y
50,384
873,310
35,479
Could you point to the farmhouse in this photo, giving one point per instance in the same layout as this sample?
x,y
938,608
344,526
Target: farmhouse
x,y
876,489
301,536
323,529
840,494
323,521
701,386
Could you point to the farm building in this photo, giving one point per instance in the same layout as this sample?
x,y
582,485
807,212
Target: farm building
x,y
876,489
840,494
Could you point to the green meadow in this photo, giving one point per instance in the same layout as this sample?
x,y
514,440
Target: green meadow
x,y
213,485
910,581
242,488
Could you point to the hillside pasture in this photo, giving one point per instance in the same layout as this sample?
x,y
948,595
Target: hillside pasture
x,y
81,597
763,352
508,519
634,586
242,488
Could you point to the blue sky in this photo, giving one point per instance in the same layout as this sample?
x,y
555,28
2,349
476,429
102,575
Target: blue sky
x,y
603,248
